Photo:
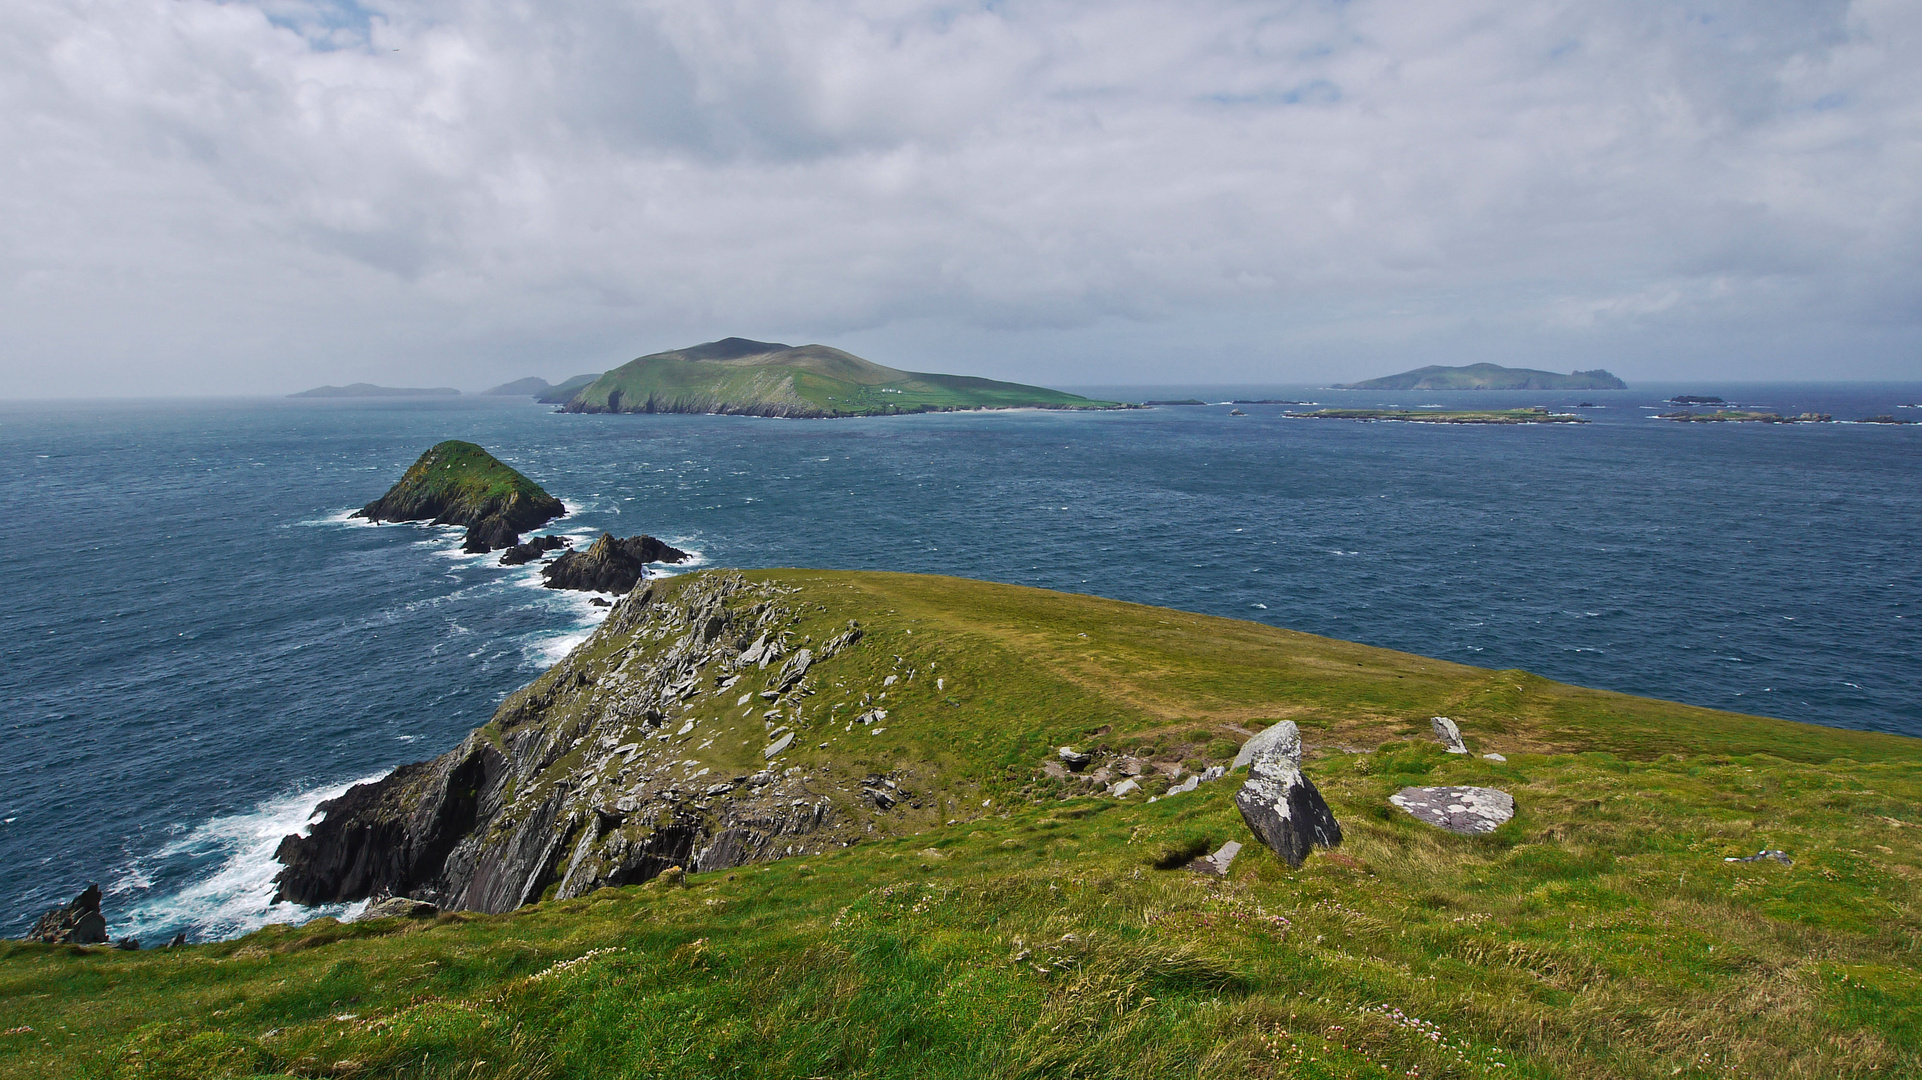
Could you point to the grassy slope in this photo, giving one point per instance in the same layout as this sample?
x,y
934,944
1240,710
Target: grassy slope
x,y
678,385
1599,934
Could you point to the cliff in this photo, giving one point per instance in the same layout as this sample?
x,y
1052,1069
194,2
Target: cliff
x,y
763,378
458,483
1489,377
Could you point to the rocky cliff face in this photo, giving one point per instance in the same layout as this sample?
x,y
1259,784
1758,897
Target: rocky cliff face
x,y
458,483
598,774
609,565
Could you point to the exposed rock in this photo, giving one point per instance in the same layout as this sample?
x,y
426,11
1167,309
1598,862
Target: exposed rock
x,y
1284,809
610,565
534,548
1075,760
1494,757
598,602
458,483
778,745
1766,853
1448,734
1467,811
793,671
398,907
130,944
1283,738
1216,865
75,923
177,941
1186,785
1125,787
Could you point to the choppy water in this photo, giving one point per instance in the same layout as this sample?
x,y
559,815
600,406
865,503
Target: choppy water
x,y
200,645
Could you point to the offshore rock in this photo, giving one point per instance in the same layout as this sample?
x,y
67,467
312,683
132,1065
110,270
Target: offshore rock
x,y
588,777
1284,809
458,483
610,565
534,548
75,923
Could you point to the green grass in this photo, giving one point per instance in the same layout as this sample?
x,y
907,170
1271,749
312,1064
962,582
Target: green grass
x,y
1599,934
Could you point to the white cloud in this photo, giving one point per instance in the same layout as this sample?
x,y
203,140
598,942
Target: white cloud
x,y
208,196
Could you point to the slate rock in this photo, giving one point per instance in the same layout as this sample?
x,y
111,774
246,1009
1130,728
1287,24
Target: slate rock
x,y
398,907
534,548
1467,811
1449,735
1216,865
76,923
1284,809
609,565
1125,787
1075,760
1283,738
1766,853
777,746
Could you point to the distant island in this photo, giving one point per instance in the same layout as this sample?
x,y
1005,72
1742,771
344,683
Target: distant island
x,y
737,376
532,386
562,393
361,389
1445,416
1489,377
458,483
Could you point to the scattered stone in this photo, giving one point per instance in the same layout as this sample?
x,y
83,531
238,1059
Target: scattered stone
x,y
1213,773
1075,760
77,923
178,941
1216,865
793,671
1494,757
1466,811
130,944
599,602
398,907
778,745
1283,738
1194,780
1766,853
534,548
1283,808
1449,735
1124,788
872,716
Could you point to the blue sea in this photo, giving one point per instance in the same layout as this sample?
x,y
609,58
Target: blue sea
x,y
201,644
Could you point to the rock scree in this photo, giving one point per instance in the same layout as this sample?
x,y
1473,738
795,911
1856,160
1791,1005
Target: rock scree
x,y
458,483
1466,811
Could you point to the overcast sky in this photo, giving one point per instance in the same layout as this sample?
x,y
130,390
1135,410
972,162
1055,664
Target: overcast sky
x,y
259,197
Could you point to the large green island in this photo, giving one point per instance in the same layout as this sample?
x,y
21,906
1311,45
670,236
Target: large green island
x,y
1445,416
762,378
796,823
1489,377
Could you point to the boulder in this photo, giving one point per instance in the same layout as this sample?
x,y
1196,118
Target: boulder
x,y
76,923
1284,810
1126,787
1075,760
534,548
793,671
1448,734
1766,853
1216,865
610,565
398,907
1467,811
1283,738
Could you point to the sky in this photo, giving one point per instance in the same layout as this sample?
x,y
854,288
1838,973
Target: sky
x,y
258,197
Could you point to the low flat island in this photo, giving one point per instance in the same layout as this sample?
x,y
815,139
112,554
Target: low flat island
x,y
1445,416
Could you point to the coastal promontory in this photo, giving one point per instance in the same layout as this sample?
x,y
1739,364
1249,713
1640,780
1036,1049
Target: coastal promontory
x,y
369,390
1489,377
459,483
738,376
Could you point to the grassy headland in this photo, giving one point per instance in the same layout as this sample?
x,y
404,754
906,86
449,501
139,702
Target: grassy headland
x,y
759,378
1009,927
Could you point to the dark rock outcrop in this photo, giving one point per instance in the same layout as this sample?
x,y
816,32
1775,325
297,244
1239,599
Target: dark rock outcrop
x,y
75,923
584,778
458,483
610,565
534,548
1284,809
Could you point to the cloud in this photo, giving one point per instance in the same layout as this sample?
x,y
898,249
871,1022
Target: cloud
x,y
255,197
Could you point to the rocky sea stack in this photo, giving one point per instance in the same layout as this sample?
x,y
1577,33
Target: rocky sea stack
x,y
458,483
609,565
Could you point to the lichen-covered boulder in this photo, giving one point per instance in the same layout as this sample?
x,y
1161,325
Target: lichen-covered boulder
x,y
1283,739
1448,734
1468,811
1284,810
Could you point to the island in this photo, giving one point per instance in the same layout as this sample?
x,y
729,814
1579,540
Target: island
x,y
1745,416
736,376
458,483
369,390
562,393
609,565
1489,377
1695,399
532,386
1536,415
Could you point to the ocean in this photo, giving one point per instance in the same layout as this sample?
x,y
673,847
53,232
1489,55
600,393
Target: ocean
x,y
201,644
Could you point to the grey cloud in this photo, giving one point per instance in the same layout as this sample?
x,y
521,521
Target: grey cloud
x,y
255,197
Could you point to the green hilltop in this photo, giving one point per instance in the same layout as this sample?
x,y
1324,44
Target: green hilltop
x,y
1489,377
993,916
763,378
